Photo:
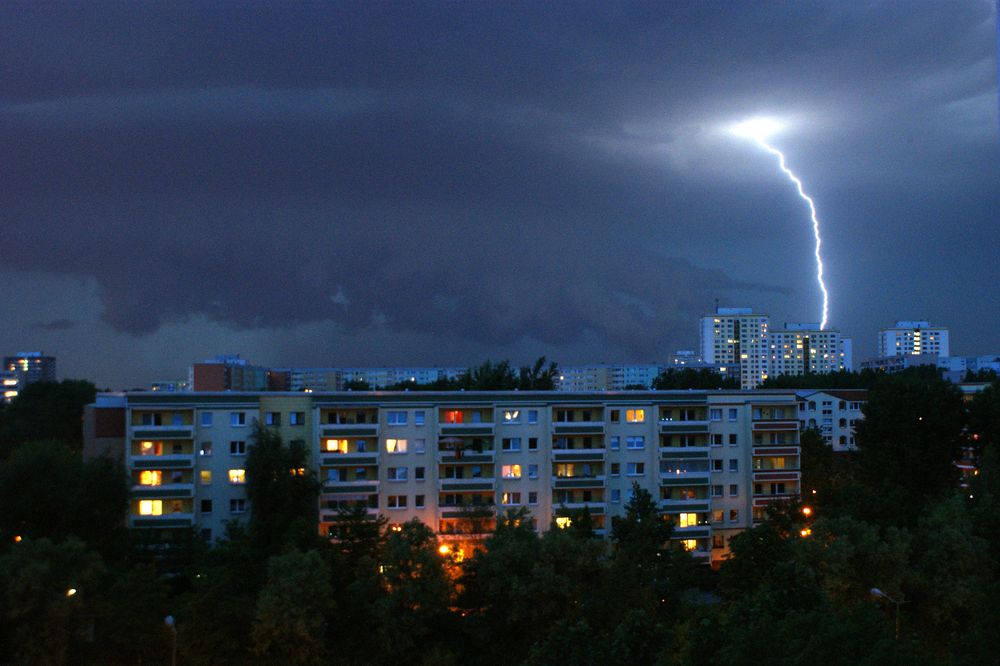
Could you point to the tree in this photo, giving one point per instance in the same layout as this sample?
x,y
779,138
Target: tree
x,y
908,442
538,377
843,379
47,411
48,600
46,490
293,609
282,489
693,378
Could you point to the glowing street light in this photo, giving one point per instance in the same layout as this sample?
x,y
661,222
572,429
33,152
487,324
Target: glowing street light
x,y
875,592
70,592
807,511
444,549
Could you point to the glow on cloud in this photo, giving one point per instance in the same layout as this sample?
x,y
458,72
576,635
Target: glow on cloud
x,y
760,130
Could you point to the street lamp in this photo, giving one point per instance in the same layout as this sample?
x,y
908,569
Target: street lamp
x,y
169,621
875,592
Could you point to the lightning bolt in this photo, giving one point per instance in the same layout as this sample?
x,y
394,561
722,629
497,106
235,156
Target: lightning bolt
x,y
812,215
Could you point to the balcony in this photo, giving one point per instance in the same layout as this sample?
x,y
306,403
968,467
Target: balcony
x,y
684,478
354,486
682,452
468,429
561,482
685,505
578,455
671,427
596,508
692,532
467,485
774,425
163,491
331,459
167,461
169,431
348,430
166,520
578,427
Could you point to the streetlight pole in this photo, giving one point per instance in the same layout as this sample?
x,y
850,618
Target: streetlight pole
x,y
879,593
169,621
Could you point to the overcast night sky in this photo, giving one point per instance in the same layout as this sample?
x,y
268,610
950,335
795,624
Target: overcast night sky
x,y
441,183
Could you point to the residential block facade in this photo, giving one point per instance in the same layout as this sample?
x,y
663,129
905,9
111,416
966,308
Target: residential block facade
x,y
455,460
913,338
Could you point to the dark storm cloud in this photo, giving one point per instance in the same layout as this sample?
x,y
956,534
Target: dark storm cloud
x,y
498,172
55,325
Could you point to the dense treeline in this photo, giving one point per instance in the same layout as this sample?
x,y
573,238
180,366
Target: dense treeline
x,y
797,589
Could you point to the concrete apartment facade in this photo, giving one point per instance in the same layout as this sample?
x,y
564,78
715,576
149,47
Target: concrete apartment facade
x,y
737,336
453,460
801,349
913,338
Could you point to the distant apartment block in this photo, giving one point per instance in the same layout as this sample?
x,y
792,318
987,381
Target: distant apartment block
x,y
31,367
834,414
227,373
454,460
802,349
913,338
607,377
737,336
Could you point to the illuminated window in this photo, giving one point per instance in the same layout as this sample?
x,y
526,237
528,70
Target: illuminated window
x,y
453,416
237,476
687,520
510,498
206,477
336,445
689,544
205,449
150,507
512,416
395,446
150,448
635,415
150,477
511,471
562,522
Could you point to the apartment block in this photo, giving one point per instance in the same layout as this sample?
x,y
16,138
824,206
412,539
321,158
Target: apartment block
x,y
802,349
454,460
607,376
737,336
834,413
913,338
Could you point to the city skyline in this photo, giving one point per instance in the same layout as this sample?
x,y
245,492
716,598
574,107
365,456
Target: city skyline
x,y
438,185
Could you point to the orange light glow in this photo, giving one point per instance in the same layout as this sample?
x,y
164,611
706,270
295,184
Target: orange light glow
x,y
444,549
807,511
805,532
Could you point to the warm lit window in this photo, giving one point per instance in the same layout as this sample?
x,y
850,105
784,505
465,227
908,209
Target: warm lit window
x,y
562,522
237,476
512,416
511,471
635,415
336,445
687,520
689,544
453,416
510,498
150,477
150,507
395,446
206,477
150,448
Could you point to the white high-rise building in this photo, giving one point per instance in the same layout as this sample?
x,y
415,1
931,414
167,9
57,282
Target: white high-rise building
x,y
737,335
913,338
800,349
